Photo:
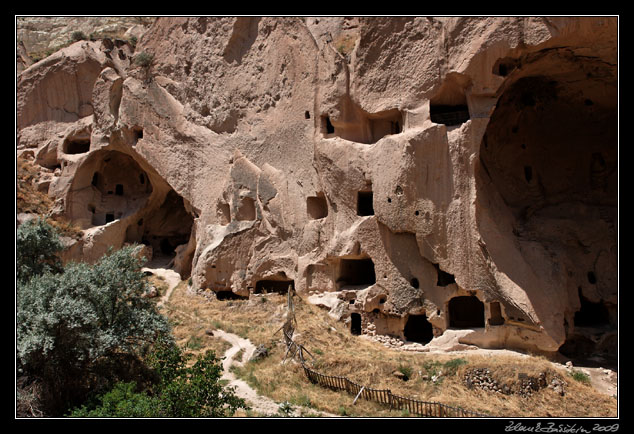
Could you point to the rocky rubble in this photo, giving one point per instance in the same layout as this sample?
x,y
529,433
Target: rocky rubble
x,y
525,385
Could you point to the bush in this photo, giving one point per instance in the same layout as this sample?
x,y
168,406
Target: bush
x,y
121,401
76,329
37,246
78,36
144,59
180,391
580,376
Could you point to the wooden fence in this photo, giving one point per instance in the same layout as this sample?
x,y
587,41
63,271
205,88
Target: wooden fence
x,y
383,396
386,397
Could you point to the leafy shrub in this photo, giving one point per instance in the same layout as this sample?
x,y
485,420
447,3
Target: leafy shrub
x,y
406,370
580,376
285,409
144,59
37,246
78,36
452,365
79,328
178,390
121,401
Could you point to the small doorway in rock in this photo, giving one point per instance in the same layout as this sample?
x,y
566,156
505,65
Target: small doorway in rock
x,y
418,329
365,206
118,190
355,324
466,312
330,129
109,217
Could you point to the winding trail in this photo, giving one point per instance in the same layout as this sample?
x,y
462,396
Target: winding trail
x,y
259,404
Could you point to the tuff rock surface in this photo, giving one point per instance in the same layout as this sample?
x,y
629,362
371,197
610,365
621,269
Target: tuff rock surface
x,y
427,173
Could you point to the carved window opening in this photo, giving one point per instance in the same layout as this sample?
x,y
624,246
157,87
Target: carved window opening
x,y
76,146
273,286
356,272
449,115
365,206
317,207
495,314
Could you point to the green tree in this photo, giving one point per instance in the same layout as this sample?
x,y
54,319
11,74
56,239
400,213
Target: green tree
x,y
180,390
122,401
75,330
37,246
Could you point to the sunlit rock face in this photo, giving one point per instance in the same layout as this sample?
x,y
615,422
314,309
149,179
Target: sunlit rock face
x,y
413,174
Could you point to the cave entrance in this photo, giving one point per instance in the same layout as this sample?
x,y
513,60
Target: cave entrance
x,y
164,228
229,295
549,161
466,312
591,314
353,272
418,329
355,324
76,145
273,286
449,114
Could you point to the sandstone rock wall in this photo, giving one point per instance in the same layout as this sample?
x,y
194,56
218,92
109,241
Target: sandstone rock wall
x,y
456,172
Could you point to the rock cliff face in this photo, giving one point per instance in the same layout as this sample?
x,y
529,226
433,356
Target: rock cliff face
x,y
432,173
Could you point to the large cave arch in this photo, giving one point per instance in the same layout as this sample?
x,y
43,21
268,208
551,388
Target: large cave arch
x,y
547,183
114,188
109,185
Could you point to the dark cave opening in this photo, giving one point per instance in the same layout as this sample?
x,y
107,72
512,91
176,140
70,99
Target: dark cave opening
x,y
466,312
418,329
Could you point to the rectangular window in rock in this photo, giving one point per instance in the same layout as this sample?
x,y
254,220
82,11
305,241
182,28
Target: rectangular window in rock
x,y
317,207
364,203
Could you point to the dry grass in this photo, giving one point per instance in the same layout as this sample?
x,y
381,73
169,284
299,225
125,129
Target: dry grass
x,y
337,352
345,42
30,200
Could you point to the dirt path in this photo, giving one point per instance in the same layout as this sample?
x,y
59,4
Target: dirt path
x,y
159,267
259,404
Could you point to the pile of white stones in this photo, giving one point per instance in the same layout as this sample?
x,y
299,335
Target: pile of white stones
x,y
526,385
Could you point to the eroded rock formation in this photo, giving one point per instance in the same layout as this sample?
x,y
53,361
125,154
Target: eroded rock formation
x,y
422,173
